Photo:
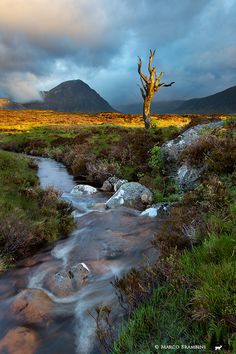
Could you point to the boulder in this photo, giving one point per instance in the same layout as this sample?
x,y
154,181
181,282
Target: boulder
x,y
113,184
188,176
119,183
157,209
131,194
19,340
173,148
83,189
107,186
185,175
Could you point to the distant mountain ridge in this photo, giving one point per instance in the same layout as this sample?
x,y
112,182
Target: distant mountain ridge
x,y
221,102
72,96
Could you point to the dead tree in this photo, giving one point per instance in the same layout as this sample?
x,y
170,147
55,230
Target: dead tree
x,y
150,85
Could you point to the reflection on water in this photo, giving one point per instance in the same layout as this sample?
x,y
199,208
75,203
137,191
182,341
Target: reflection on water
x,y
52,292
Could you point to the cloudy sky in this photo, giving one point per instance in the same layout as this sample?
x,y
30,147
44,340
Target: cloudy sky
x,y
45,42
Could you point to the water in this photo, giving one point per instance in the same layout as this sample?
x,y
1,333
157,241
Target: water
x,y
52,293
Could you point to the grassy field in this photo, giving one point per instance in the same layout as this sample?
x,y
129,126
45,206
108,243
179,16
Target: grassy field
x,y
22,120
29,216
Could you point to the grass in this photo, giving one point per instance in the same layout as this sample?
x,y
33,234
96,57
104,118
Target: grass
x,y
159,322
196,306
29,216
24,120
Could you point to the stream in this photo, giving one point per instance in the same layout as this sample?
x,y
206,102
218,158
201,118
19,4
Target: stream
x,y
45,301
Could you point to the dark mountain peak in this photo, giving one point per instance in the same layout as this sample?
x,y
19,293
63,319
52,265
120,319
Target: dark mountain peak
x,y
72,96
71,84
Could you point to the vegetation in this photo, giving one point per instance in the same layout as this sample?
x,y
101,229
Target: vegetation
x,y
150,85
24,120
91,151
188,295
29,216
193,283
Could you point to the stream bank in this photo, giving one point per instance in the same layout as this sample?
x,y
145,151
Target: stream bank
x,y
48,296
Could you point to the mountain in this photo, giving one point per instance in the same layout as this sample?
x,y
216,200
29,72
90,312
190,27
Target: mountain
x,y
156,107
7,104
71,96
221,102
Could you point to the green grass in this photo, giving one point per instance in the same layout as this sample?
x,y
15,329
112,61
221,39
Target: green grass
x,y
198,311
29,217
159,322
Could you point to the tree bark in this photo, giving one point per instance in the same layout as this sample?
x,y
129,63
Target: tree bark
x,y
146,112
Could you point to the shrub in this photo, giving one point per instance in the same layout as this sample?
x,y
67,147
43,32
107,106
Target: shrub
x,y
17,237
156,161
216,152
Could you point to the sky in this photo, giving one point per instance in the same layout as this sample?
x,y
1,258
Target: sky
x,y
46,42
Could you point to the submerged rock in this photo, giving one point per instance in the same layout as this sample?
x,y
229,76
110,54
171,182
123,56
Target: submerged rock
x,y
131,194
83,189
32,306
67,282
19,340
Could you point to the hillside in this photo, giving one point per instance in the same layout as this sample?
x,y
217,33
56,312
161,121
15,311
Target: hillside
x,y
6,104
221,102
72,96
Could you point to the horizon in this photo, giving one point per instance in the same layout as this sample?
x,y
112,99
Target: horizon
x,y
155,99
194,41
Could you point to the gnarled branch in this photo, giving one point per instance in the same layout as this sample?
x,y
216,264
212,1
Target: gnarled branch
x,y
150,68
144,77
166,85
142,93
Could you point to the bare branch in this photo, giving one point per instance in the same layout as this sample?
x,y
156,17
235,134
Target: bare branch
x,y
158,78
142,93
143,84
166,85
151,56
144,77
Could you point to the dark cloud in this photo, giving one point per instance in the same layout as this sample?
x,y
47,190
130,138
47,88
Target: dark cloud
x,y
45,42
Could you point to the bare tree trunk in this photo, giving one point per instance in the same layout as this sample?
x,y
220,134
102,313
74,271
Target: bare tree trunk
x,y
146,112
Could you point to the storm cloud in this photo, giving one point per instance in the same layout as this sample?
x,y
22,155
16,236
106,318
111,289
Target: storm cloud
x,y
43,43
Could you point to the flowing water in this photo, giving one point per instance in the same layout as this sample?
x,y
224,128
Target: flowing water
x,y
50,295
